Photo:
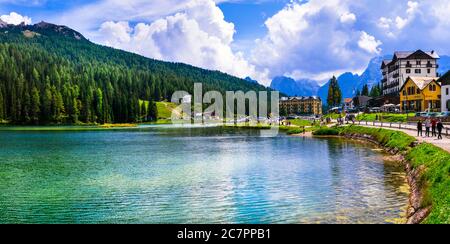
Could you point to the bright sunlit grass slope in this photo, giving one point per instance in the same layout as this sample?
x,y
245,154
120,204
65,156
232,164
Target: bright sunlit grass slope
x,y
387,138
436,179
385,117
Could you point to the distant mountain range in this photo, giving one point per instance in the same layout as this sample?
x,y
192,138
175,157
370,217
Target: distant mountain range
x,y
292,87
348,81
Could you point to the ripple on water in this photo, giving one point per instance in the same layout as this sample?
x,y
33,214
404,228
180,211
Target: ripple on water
x,y
194,175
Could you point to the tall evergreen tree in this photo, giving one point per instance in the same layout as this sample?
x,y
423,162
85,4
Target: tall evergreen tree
x,y
334,93
365,90
2,106
35,105
375,91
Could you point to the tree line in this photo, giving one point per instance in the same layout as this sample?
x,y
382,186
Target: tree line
x,y
57,79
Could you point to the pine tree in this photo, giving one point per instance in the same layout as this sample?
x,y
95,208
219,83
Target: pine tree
x,y
99,106
35,105
334,93
143,111
2,106
152,110
46,102
365,90
375,91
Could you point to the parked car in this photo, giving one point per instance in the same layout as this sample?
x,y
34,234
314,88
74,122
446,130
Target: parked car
x,y
432,115
375,110
444,115
422,114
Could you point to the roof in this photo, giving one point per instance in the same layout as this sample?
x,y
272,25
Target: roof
x,y
445,79
407,54
300,98
404,55
385,63
421,82
348,100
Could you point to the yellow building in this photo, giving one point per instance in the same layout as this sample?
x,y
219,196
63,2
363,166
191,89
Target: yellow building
x,y
420,94
301,105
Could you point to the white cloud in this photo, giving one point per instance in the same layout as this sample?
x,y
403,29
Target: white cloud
x,y
369,43
199,35
15,19
310,39
348,18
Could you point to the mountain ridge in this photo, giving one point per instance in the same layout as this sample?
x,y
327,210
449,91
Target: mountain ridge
x,y
51,74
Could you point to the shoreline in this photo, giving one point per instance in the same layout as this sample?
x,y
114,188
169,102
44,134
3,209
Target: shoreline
x,y
415,214
423,164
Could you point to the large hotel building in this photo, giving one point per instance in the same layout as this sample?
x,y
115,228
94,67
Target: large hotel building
x,y
404,65
301,105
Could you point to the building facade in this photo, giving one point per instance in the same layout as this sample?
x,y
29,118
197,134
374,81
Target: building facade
x,y
348,104
405,64
301,105
420,94
445,92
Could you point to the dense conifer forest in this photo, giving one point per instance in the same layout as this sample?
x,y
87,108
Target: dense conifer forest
x,y
52,75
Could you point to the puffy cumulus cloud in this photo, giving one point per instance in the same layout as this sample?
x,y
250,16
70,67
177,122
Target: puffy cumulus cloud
x,y
199,35
15,19
369,43
312,38
315,38
410,25
349,18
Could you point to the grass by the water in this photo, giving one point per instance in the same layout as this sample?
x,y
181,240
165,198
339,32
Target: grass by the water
x,y
385,117
436,180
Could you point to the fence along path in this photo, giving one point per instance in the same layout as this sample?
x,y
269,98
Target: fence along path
x,y
411,129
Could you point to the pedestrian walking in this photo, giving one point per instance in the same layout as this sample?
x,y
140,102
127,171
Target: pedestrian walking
x,y
427,127
420,128
440,127
433,127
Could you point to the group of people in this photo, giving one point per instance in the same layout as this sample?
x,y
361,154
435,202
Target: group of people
x,y
348,119
433,128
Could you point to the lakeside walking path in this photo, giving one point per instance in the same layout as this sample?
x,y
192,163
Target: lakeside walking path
x,y
444,143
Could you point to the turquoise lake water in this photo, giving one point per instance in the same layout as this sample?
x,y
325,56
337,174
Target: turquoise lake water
x,y
162,174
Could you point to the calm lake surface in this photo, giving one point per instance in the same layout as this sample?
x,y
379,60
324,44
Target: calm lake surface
x,y
163,174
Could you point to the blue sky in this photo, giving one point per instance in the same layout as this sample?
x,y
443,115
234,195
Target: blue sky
x,y
262,39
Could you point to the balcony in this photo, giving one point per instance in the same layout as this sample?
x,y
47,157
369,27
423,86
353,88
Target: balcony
x,y
408,66
429,65
396,76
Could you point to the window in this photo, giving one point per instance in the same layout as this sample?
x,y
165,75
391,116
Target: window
x,y
408,71
429,71
430,87
404,92
418,71
418,91
418,63
447,91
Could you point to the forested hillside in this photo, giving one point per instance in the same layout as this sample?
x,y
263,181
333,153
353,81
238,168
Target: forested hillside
x,y
51,74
